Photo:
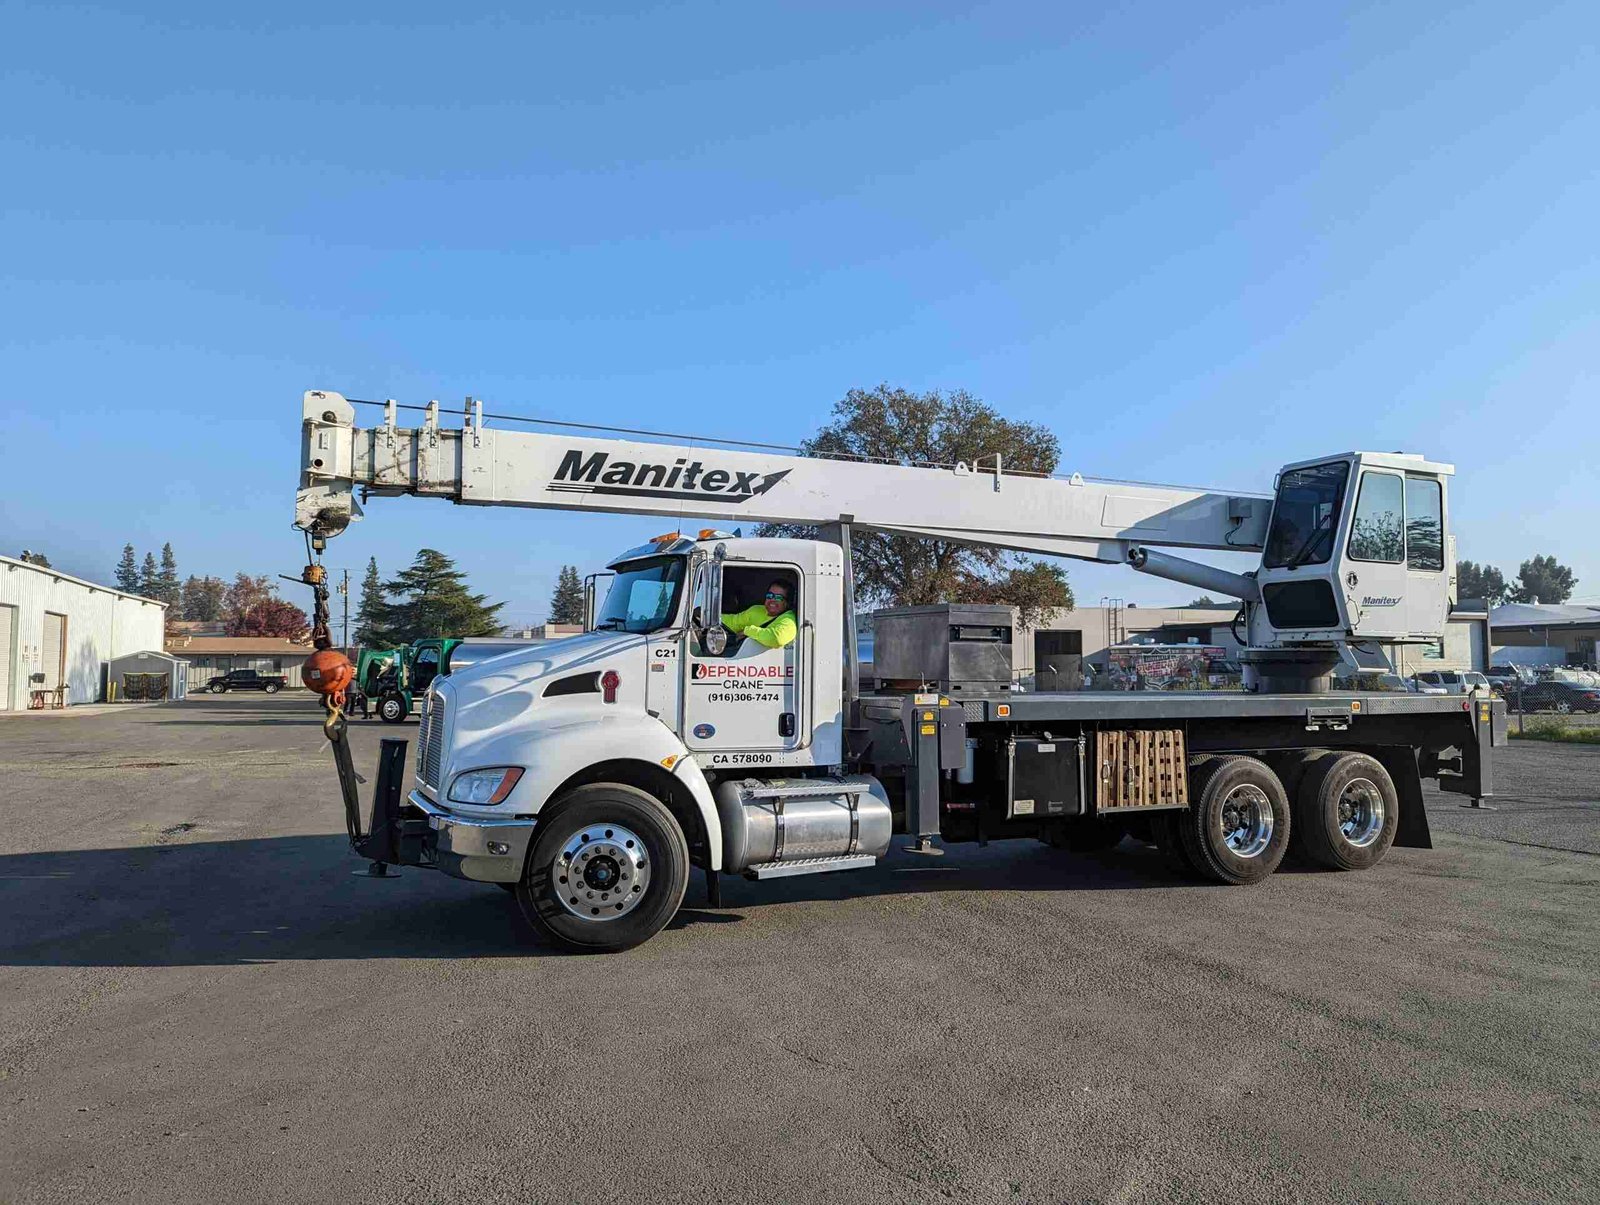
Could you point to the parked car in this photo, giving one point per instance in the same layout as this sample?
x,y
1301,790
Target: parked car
x,y
1505,680
1428,683
1560,697
246,679
1450,682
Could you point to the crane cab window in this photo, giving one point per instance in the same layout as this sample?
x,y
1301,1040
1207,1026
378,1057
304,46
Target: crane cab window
x,y
1305,515
1377,533
1424,523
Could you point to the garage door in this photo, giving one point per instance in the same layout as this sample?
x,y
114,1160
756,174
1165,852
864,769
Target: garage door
x,y
53,663
8,648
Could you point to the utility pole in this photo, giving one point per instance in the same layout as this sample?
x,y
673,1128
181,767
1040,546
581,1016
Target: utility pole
x,y
344,589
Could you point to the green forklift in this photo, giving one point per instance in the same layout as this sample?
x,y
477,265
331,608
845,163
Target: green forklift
x,y
401,676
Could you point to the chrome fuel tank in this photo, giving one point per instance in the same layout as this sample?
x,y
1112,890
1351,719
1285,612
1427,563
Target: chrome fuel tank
x,y
770,820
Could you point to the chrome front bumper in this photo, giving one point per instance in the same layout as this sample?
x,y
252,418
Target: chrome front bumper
x,y
488,851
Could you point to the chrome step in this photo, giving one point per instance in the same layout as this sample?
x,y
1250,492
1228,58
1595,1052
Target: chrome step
x,y
784,870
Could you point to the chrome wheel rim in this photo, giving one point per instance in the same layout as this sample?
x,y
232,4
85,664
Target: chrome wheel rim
x,y
601,873
1361,812
1246,821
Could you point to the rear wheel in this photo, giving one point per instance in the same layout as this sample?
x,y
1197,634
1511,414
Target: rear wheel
x,y
1237,827
272,688
218,688
606,872
1346,812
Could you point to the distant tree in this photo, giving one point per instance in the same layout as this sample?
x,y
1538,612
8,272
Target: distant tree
x,y
900,427
430,598
369,612
167,578
1034,588
1480,581
149,577
204,598
35,558
1205,600
566,604
272,617
253,608
128,571
1545,579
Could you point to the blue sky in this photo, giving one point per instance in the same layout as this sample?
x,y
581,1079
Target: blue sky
x,y
1197,241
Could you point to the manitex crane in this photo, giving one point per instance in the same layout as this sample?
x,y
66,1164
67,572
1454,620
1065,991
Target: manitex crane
x,y
590,774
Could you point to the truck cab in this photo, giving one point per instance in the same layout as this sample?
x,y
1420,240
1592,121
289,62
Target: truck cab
x,y
657,696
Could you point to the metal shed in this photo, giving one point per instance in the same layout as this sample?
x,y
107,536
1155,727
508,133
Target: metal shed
x,y
150,677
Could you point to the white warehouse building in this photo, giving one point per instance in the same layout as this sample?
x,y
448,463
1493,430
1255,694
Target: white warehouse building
x,y
66,629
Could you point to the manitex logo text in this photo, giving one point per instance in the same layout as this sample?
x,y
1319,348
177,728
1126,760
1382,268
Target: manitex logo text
x,y
598,473
732,673
1382,600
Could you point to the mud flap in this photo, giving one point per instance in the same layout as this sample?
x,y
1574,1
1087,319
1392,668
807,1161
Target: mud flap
x,y
1412,830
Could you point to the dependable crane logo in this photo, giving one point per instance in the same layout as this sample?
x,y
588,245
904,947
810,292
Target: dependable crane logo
x,y
685,479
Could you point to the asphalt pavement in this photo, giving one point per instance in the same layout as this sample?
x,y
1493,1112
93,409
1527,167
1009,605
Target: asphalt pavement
x,y
199,1002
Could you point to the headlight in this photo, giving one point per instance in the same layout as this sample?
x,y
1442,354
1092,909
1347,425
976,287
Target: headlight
x,y
487,786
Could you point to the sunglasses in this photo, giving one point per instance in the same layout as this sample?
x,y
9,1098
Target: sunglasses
x,y
779,597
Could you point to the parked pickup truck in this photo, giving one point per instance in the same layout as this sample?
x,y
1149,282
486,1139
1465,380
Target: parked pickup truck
x,y
247,679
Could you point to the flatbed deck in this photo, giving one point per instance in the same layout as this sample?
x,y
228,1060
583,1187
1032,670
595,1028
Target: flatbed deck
x,y
1138,706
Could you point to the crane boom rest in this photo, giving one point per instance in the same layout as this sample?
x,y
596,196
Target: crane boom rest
x,y
588,775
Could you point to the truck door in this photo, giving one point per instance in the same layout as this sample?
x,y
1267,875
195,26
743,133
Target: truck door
x,y
749,698
1427,581
1375,556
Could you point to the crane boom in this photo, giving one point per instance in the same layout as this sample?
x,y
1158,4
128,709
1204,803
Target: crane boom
x,y
480,466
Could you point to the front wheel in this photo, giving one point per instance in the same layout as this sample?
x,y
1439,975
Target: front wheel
x,y
392,709
1237,826
607,870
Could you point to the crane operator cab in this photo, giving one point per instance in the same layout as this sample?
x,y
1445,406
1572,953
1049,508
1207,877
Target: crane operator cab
x,y
727,693
1357,548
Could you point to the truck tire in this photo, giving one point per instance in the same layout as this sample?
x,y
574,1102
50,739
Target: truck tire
x,y
1237,827
271,688
607,870
1165,832
1346,812
392,709
217,688
1291,769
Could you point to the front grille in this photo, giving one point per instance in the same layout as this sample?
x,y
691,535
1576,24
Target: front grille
x,y
430,740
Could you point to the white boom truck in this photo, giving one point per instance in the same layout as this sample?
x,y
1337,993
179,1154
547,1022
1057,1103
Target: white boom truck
x,y
588,775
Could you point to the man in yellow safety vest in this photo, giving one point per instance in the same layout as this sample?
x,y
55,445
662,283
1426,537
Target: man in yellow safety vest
x,y
770,623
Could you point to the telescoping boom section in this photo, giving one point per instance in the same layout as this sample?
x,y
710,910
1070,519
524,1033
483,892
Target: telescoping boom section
x,y
968,503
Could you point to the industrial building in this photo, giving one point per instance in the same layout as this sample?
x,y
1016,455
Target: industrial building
x,y
57,632
213,656
1547,634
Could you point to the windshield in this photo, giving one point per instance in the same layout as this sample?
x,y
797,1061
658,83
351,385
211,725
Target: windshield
x,y
643,596
1305,516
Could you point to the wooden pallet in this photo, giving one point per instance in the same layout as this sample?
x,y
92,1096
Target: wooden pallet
x,y
1141,768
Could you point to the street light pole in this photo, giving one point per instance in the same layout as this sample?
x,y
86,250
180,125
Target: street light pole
x,y
344,589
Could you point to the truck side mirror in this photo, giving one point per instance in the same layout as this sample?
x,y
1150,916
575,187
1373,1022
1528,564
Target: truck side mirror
x,y
715,637
591,593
